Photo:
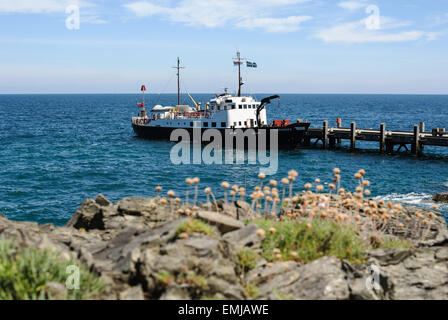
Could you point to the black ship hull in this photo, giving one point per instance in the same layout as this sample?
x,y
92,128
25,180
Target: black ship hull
x,y
288,137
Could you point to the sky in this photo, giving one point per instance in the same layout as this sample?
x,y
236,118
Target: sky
x,y
300,46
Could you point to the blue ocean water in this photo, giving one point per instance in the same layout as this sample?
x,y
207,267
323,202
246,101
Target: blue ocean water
x,y
57,150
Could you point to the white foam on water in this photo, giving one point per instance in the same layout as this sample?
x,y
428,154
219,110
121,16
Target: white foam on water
x,y
423,200
409,198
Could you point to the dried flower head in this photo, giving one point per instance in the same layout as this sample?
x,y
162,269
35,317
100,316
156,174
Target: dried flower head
x,y
261,233
171,193
183,235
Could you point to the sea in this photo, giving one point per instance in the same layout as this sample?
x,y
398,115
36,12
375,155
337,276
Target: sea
x,y
58,150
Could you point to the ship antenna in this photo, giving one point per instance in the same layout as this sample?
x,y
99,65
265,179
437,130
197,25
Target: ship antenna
x,y
178,79
239,61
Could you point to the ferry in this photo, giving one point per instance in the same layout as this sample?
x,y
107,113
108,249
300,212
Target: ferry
x,y
225,113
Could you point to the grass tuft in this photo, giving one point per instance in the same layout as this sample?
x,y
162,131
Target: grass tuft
x,y
247,259
307,241
24,274
195,225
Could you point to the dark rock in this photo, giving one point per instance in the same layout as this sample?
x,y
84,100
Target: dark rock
x,y
440,197
102,201
89,216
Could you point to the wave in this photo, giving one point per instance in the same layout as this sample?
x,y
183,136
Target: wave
x,y
410,198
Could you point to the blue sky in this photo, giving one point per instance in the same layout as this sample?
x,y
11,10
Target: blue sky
x,y
300,46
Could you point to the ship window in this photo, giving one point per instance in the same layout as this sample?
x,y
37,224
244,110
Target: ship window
x,y
233,106
239,123
223,124
191,124
205,124
219,108
234,124
245,123
229,101
240,106
245,106
255,122
214,124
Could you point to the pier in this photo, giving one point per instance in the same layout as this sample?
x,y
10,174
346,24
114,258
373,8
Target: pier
x,y
389,141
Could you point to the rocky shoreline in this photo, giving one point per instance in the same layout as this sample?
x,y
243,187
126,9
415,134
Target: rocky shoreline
x,y
135,245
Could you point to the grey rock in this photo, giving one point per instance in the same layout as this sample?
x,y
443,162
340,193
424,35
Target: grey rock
x,y
56,291
323,279
174,292
420,274
132,293
223,223
245,238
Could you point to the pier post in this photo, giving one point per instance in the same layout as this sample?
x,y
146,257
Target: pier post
x,y
415,148
352,136
382,137
422,127
338,125
389,147
325,134
422,130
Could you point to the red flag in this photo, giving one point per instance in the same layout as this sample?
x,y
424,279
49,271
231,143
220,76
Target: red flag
x,y
143,88
140,105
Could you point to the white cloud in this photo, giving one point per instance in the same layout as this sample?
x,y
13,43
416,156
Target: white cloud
x,y
39,6
50,7
288,24
249,14
356,32
352,5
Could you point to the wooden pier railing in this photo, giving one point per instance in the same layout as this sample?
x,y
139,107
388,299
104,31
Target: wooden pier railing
x,y
387,140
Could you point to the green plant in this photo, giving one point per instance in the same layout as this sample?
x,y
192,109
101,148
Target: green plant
x,y
194,225
247,259
165,277
24,274
251,290
393,243
309,240
192,279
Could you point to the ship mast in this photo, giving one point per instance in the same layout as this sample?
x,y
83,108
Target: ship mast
x,y
178,79
239,61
